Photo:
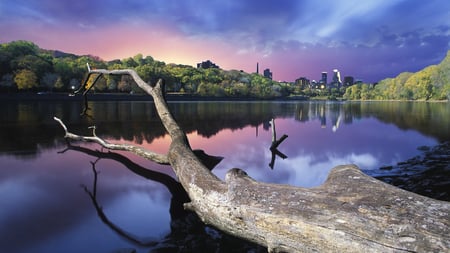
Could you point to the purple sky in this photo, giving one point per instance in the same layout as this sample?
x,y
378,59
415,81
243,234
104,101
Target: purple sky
x,y
369,40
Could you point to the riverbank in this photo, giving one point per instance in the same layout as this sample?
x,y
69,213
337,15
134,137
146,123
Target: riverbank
x,y
133,97
427,174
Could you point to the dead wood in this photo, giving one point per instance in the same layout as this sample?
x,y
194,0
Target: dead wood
x,y
350,212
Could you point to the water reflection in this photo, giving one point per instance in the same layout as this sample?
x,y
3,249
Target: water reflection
x,y
187,232
44,209
27,127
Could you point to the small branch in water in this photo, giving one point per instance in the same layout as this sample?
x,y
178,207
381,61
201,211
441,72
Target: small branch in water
x,y
274,146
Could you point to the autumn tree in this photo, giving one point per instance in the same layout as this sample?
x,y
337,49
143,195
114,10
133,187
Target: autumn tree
x,y
25,79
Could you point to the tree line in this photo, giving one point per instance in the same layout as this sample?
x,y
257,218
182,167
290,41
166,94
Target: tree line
x,y
25,67
430,83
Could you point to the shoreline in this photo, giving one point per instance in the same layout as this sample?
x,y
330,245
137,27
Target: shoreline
x,y
131,97
55,96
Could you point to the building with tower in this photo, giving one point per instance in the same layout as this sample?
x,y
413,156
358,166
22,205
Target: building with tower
x,y
268,74
206,65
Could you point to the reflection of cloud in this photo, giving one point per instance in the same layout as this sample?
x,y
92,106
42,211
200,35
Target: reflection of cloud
x,y
305,170
46,190
309,171
141,212
251,158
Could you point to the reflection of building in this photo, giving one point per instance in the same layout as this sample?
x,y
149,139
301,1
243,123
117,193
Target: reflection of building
x,y
268,74
206,65
335,114
302,113
322,116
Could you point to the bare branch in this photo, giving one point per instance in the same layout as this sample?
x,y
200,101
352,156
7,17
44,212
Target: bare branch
x,y
155,157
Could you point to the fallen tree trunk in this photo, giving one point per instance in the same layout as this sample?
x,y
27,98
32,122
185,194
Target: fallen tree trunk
x,y
350,212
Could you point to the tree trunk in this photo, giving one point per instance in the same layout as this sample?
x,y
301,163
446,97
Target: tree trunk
x,y
350,212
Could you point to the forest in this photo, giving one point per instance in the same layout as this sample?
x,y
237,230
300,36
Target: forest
x,y
24,67
430,83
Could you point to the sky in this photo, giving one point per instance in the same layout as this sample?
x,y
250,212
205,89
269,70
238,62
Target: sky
x,y
369,40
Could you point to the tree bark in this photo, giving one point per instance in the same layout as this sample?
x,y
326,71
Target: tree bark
x,y
350,212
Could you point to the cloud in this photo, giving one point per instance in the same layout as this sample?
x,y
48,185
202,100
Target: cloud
x,y
294,38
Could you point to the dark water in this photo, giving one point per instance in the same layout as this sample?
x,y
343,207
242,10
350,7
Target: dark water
x,y
80,198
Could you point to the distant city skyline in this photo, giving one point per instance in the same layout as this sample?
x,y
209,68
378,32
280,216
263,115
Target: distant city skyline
x,y
372,39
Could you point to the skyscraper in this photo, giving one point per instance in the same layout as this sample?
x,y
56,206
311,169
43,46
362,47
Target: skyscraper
x,y
336,76
348,80
324,78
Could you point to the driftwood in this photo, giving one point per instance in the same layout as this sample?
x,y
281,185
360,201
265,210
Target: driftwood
x,y
350,212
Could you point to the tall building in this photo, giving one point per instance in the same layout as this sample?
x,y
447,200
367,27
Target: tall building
x,y
268,74
336,78
257,68
303,82
348,81
324,78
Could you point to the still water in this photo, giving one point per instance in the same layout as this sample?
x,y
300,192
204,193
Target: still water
x,y
56,197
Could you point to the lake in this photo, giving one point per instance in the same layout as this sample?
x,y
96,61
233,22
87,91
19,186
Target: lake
x,y
57,197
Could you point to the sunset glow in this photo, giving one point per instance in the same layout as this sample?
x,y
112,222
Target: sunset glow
x,y
369,40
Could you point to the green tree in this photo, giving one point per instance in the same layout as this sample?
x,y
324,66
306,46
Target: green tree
x,y
34,63
203,89
139,59
25,79
441,79
48,81
7,83
59,84
356,91
129,63
420,84
365,92
21,47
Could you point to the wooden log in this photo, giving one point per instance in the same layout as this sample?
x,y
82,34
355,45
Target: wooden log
x,y
350,212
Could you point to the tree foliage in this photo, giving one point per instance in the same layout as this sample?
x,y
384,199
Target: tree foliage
x,y
54,70
48,70
430,83
25,79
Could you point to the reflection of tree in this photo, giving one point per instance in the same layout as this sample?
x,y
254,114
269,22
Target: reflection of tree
x,y
27,126
124,234
188,233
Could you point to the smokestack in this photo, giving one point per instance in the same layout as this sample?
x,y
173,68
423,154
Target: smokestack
x,y
257,68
